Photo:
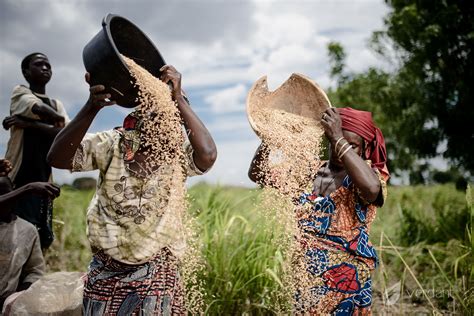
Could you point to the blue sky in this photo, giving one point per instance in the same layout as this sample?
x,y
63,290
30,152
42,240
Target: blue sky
x,y
220,47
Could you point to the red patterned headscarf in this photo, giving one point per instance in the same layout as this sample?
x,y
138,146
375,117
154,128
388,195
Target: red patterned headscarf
x,y
361,123
131,132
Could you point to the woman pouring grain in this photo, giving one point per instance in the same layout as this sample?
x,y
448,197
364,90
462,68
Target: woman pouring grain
x,y
135,218
334,219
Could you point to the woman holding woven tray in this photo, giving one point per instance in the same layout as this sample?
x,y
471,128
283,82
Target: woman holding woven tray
x,y
334,219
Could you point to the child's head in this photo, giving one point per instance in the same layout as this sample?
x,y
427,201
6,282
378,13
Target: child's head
x,y
36,68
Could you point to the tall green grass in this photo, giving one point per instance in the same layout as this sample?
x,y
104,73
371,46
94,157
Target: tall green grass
x,y
70,250
423,235
243,264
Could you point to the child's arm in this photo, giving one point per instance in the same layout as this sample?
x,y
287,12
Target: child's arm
x,y
205,151
68,140
19,122
35,188
45,111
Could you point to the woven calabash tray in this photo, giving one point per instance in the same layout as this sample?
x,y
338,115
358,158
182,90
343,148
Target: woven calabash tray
x,y
298,95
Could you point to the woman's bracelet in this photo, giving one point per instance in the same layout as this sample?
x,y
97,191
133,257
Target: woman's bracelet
x,y
337,141
338,149
345,152
341,148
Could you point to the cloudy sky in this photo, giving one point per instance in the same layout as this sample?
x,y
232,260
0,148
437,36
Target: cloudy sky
x,y
220,47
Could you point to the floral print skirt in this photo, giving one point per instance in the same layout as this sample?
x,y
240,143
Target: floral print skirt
x,y
335,282
152,288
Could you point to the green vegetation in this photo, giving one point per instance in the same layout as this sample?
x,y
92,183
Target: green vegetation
x,y
423,236
70,250
423,103
243,265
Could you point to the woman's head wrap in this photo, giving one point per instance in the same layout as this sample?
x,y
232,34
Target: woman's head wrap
x,y
361,123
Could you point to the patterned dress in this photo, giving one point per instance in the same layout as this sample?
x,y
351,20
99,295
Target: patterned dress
x,y
337,254
135,235
152,288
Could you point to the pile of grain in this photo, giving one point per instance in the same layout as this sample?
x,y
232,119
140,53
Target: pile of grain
x,y
162,137
292,144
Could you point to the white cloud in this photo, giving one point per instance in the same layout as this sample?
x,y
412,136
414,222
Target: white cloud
x,y
237,124
219,46
232,164
227,100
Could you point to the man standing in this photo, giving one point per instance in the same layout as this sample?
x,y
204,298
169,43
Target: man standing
x,y
35,120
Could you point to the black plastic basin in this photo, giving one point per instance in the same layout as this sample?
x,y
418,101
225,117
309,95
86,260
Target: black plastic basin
x,y
102,58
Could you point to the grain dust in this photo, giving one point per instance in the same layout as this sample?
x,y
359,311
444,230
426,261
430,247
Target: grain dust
x,y
292,144
162,135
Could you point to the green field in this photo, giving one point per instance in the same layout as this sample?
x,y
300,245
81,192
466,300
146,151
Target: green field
x,y
423,235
